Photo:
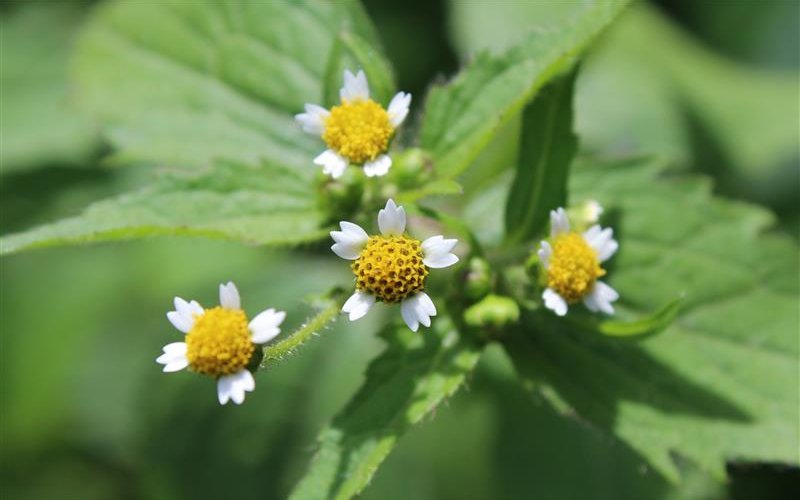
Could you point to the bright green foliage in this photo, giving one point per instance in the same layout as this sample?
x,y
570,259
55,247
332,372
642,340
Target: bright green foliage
x,y
462,116
721,382
406,383
263,205
39,123
547,147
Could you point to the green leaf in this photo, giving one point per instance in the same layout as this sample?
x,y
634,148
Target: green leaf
x,y
352,52
415,373
265,206
211,80
547,147
721,382
210,88
39,125
462,116
648,325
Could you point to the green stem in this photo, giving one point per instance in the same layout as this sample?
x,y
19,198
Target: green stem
x,y
302,334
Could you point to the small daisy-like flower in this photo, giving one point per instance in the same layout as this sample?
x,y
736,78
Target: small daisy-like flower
x,y
358,130
219,341
392,267
571,262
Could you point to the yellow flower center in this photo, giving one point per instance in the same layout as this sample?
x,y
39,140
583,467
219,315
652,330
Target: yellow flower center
x,y
358,130
219,343
390,267
574,267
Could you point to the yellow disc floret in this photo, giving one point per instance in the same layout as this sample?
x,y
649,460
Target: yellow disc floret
x,y
358,130
219,343
390,267
574,267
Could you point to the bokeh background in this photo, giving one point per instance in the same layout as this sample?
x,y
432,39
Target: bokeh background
x,y
86,412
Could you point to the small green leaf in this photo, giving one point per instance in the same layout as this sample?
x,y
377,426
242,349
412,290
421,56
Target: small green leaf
x,y
462,116
415,373
648,325
547,147
351,52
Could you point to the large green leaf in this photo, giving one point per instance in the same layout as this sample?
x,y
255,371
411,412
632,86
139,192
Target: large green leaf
x,y
407,382
209,80
39,124
462,116
265,205
210,89
547,147
721,382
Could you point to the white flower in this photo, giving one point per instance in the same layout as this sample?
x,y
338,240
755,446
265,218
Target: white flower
x,y
357,131
220,342
392,267
571,262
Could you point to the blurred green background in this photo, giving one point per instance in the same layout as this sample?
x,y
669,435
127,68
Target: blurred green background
x,y
86,412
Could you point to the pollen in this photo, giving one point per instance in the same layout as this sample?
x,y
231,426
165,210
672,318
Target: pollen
x,y
391,268
219,343
574,267
358,130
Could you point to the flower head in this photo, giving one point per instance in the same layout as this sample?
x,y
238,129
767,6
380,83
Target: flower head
x,y
219,341
356,131
572,265
392,267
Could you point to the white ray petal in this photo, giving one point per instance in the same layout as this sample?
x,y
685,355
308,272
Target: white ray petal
x,y
355,87
544,253
224,387
601,298
417,309
392,219
229,296
378,167
174,357
559,222
332,163
436,252
181,322
265,326
358,305
349,241
398,108
602,240
554,302
313,120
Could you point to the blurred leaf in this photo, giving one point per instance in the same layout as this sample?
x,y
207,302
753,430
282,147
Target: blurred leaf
x,y
414,374
547,147
648,325
749,113
266,206
353,53
721,381
39,127
462,116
